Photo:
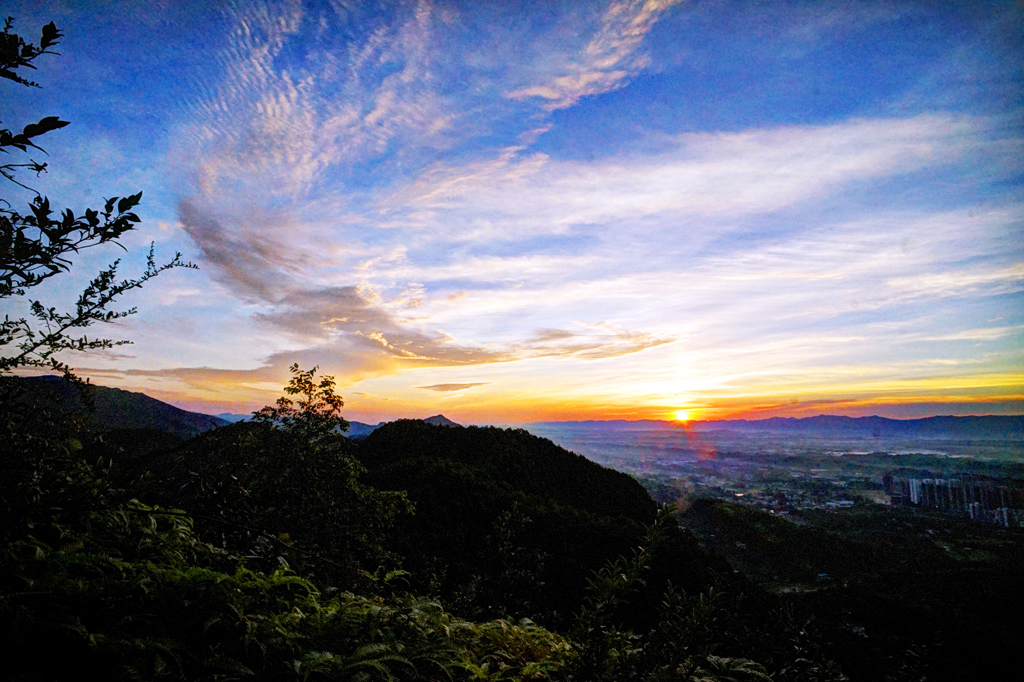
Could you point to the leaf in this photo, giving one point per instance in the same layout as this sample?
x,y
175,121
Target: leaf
x,y
50,36
44,126
127,203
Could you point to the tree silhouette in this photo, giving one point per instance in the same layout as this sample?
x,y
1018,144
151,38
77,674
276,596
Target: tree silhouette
x,y
315,415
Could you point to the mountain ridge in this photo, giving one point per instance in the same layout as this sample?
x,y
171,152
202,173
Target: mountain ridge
x,y
116,408
985,427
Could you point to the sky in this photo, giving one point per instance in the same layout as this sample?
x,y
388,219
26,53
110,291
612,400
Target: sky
x,y
510,212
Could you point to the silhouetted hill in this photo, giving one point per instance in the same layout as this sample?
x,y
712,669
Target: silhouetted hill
x,y
114,408
512,520
359,430
772,549
517,458
902,586
440,420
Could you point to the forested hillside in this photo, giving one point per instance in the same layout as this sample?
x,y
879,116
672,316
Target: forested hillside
x,y
280,549
506,523
279,561
105,409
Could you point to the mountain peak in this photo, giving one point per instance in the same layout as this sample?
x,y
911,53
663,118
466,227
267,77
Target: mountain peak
x,y
440,420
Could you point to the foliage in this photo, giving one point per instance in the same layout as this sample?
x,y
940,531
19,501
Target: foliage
x,y
286,488
514,457
760,534
42,473
38,344
124,590
16,53
421,640
515,580
136,595
678,645
900,604
315,417
129,591
37,245
47,490
508,524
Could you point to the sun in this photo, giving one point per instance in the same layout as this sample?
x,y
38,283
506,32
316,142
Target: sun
x,y
683,416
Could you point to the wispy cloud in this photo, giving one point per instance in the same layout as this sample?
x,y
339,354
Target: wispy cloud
x,y
284,123
250,253
353,327
960,282
449,388
607,61
700,175
976,334
592,342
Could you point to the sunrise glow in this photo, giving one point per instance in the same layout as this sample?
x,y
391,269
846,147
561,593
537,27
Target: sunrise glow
x,y
510,213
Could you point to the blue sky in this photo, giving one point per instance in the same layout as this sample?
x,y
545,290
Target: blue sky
x,y
519,211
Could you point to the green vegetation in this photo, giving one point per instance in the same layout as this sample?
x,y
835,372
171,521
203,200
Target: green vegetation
x,y
884,592
508,524
288,484
771,549
268,574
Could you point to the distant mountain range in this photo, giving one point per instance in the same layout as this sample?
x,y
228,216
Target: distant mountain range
x,y
992,427
118,409
231,417
355,429
970,428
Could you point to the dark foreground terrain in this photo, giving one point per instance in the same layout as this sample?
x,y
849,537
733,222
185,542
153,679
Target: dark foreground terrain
x,y
884,587
280,549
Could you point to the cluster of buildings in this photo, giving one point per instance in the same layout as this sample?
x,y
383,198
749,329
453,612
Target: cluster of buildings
x,y
778,500
977,499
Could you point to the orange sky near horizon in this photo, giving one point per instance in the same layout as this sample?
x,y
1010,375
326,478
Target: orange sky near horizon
x,y
963,397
